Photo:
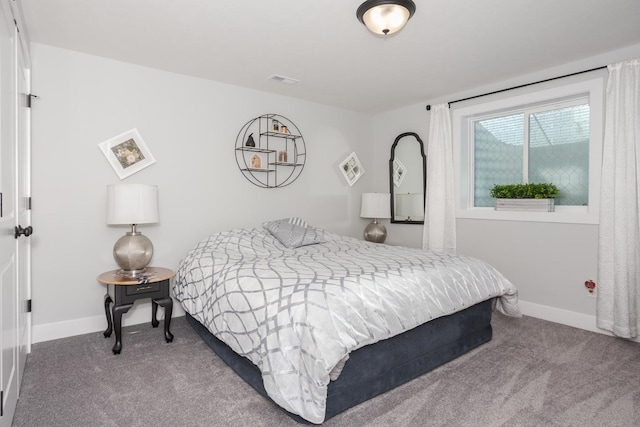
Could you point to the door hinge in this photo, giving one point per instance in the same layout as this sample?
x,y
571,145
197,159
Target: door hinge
x,y
29,203
1,403
29,305
1,205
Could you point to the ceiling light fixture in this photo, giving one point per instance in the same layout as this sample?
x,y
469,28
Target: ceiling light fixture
x,y
384,17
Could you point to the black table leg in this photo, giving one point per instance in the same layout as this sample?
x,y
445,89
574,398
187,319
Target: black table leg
x,y
154,312
107,304
167,304
118,311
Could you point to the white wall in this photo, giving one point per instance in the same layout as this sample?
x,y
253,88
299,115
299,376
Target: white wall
x,y
190,125
387,127
548,262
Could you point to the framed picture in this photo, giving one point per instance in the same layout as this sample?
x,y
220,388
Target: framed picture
x,y
127,153
399,171
351,168
256,162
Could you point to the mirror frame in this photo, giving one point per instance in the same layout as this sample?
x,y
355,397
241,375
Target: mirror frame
x,y
424,175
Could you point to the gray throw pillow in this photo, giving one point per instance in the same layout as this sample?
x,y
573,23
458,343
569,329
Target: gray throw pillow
x,y
293,235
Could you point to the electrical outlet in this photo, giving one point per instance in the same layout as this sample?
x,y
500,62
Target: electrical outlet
x,y
590,286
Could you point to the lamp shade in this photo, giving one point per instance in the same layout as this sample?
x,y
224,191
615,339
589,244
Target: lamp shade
x,y
375,205
385,17
132,204
409,205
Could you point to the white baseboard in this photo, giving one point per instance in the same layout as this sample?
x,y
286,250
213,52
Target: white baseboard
x,y
142,314
138,314
564,317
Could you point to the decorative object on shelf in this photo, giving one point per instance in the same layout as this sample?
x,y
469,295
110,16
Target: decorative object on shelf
x,y
256,162
132,204
399,171
351,168
525,197
250,142
385,17
410,205
375,206
127,153
277,157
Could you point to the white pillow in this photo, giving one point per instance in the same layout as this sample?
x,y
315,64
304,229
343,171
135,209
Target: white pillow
x,y
298,221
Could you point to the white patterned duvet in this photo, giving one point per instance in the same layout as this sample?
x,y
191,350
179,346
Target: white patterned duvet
x,y
297,313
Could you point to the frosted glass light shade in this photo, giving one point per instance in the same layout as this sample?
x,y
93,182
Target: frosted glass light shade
x,y
132,204
375,205
385,17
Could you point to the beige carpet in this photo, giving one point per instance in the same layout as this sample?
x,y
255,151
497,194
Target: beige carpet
x,y
533,373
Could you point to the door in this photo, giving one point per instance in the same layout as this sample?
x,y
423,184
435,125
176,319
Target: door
x,y
8,254
23,206
15,187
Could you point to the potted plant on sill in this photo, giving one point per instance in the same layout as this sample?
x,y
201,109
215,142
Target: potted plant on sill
x,y
525,197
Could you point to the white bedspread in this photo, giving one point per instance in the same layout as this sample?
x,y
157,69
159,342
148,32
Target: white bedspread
x,y
297,313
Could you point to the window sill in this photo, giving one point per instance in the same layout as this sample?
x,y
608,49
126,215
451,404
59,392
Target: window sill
x,y
583,216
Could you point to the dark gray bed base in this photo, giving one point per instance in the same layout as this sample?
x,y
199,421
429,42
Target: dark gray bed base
x,y
379,367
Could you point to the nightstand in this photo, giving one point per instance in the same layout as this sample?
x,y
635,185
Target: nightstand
x,y
123,292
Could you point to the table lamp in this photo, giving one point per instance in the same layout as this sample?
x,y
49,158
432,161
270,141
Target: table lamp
x,y
410,205
132,204
375,206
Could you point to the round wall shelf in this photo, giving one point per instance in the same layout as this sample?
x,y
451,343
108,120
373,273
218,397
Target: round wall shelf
x,y
270,151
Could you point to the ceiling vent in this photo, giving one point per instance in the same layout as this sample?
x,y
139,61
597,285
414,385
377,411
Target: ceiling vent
x,y
283,79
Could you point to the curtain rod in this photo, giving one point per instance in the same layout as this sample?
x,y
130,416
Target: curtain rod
x,y
524,85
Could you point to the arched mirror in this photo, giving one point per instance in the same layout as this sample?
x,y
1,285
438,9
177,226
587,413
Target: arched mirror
x,y
407,179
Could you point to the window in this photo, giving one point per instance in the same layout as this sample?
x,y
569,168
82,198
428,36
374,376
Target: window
x,y
544,144
552,135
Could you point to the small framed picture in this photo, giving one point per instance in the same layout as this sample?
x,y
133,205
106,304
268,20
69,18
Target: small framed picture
x,y
399,171
351,169
127,153
256,162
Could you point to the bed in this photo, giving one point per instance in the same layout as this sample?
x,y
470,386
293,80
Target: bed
x,y
320,322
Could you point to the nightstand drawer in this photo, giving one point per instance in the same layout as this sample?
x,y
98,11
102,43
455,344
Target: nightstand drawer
x,y
130,293
142,288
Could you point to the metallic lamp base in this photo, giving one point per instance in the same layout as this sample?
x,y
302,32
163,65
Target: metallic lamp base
x,y
375,232
133,253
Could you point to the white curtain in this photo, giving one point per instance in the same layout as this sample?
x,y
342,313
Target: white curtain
x,y
439,233
618,303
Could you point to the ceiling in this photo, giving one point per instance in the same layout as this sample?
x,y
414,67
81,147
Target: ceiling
x,y
447,47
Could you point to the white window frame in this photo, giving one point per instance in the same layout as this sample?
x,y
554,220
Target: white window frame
x,y
463,154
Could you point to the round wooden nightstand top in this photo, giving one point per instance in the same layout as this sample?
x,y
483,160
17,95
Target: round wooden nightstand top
x,y
154,274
